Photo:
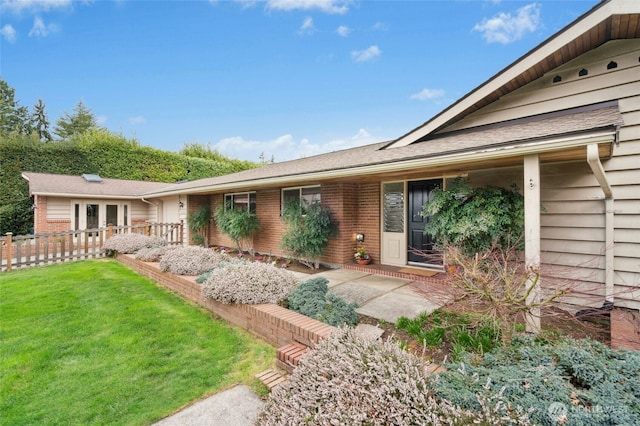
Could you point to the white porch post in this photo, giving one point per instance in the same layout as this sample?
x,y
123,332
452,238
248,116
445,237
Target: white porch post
x,y
532,237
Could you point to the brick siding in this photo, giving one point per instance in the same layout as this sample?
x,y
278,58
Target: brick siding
x,y
625,329
276,325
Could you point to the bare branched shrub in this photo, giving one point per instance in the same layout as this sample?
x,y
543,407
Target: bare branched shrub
x,y
152,254
131,243
191,260
350,379
500,280
250,283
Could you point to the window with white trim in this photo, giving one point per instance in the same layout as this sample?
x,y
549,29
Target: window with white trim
x,y
305,195
241,201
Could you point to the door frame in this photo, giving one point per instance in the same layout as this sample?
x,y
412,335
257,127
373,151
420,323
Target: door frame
x,y
394,246
102,212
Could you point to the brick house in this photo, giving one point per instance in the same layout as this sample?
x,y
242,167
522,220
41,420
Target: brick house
x,y
562,122
64,203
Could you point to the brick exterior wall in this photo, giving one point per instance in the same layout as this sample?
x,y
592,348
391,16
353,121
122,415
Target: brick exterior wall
x,y
625,329
41,224
276,325
354,206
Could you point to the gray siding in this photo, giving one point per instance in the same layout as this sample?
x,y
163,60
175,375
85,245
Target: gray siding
x,y
573,223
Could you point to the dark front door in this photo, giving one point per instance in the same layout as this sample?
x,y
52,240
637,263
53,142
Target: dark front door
x,y
420,246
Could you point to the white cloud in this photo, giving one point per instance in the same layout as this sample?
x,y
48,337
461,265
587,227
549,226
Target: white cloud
x,y
328,6
286,147
34,6
139,119
426,94
307,26
101,119
368,54
505,28
8,32
343,30
380,26
39,28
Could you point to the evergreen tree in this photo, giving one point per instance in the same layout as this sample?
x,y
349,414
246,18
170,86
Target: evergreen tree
x,y
40,122
14,119
79,122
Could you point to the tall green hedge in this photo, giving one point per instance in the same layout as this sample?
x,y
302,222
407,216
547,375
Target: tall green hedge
x,y
97,151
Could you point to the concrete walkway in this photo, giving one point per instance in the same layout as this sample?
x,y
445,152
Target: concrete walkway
x,y
381,297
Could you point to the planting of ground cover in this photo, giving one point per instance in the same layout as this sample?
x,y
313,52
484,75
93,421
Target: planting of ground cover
x,y
94,343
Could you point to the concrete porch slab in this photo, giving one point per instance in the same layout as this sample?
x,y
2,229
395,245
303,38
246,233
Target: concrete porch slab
x,y
353,292
391,306
339,276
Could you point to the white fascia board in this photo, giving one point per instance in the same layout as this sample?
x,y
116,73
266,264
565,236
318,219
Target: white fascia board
x,y
489,153
92,196
554,43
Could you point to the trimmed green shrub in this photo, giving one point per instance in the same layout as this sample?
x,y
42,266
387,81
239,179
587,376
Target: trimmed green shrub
x,y
191,260
474,218
308,232
311,299
351,379
572,382
238,224
130,243
250,283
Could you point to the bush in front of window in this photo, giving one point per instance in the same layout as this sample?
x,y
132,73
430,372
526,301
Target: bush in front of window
x,y
249,283
238,224
191,260
130,243
308,231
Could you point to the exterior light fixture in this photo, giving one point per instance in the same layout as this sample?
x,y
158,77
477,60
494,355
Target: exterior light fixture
x,y
360,238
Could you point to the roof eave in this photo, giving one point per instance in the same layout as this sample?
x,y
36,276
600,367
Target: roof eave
x,y
593,17
459,158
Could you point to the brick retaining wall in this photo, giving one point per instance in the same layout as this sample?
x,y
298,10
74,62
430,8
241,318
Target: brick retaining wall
x,y
274,324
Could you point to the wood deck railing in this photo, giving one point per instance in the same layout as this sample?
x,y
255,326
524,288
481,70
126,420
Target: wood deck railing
x,y
18,251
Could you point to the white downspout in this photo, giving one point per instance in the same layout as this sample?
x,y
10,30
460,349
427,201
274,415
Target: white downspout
x,y
157,206
593,159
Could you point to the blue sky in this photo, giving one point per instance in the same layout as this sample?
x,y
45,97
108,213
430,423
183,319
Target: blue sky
x,y
287,78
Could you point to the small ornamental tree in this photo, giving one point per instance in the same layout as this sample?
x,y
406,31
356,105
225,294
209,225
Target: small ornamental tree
x,y
238,224
309,228
473,219
199,225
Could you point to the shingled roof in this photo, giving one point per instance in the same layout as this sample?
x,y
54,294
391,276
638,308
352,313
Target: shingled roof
x,y
74,186
373,158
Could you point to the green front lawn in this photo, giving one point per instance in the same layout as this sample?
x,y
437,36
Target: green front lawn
x,y
93,343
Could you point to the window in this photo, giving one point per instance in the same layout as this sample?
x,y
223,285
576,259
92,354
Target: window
x,y
304,195
241,201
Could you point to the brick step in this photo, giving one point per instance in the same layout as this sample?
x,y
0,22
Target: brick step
x,y
289,355
271,378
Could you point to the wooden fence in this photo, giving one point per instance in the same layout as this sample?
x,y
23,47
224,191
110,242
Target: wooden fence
x,y
41,249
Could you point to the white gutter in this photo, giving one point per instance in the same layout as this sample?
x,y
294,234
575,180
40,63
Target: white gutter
x,y
593,159
91,196
460,158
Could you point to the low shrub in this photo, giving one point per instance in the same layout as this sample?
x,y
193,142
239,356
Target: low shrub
x,y
130,243
205,276
466,331
191,260
152,254
311,299
351,379
249,283
579,382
